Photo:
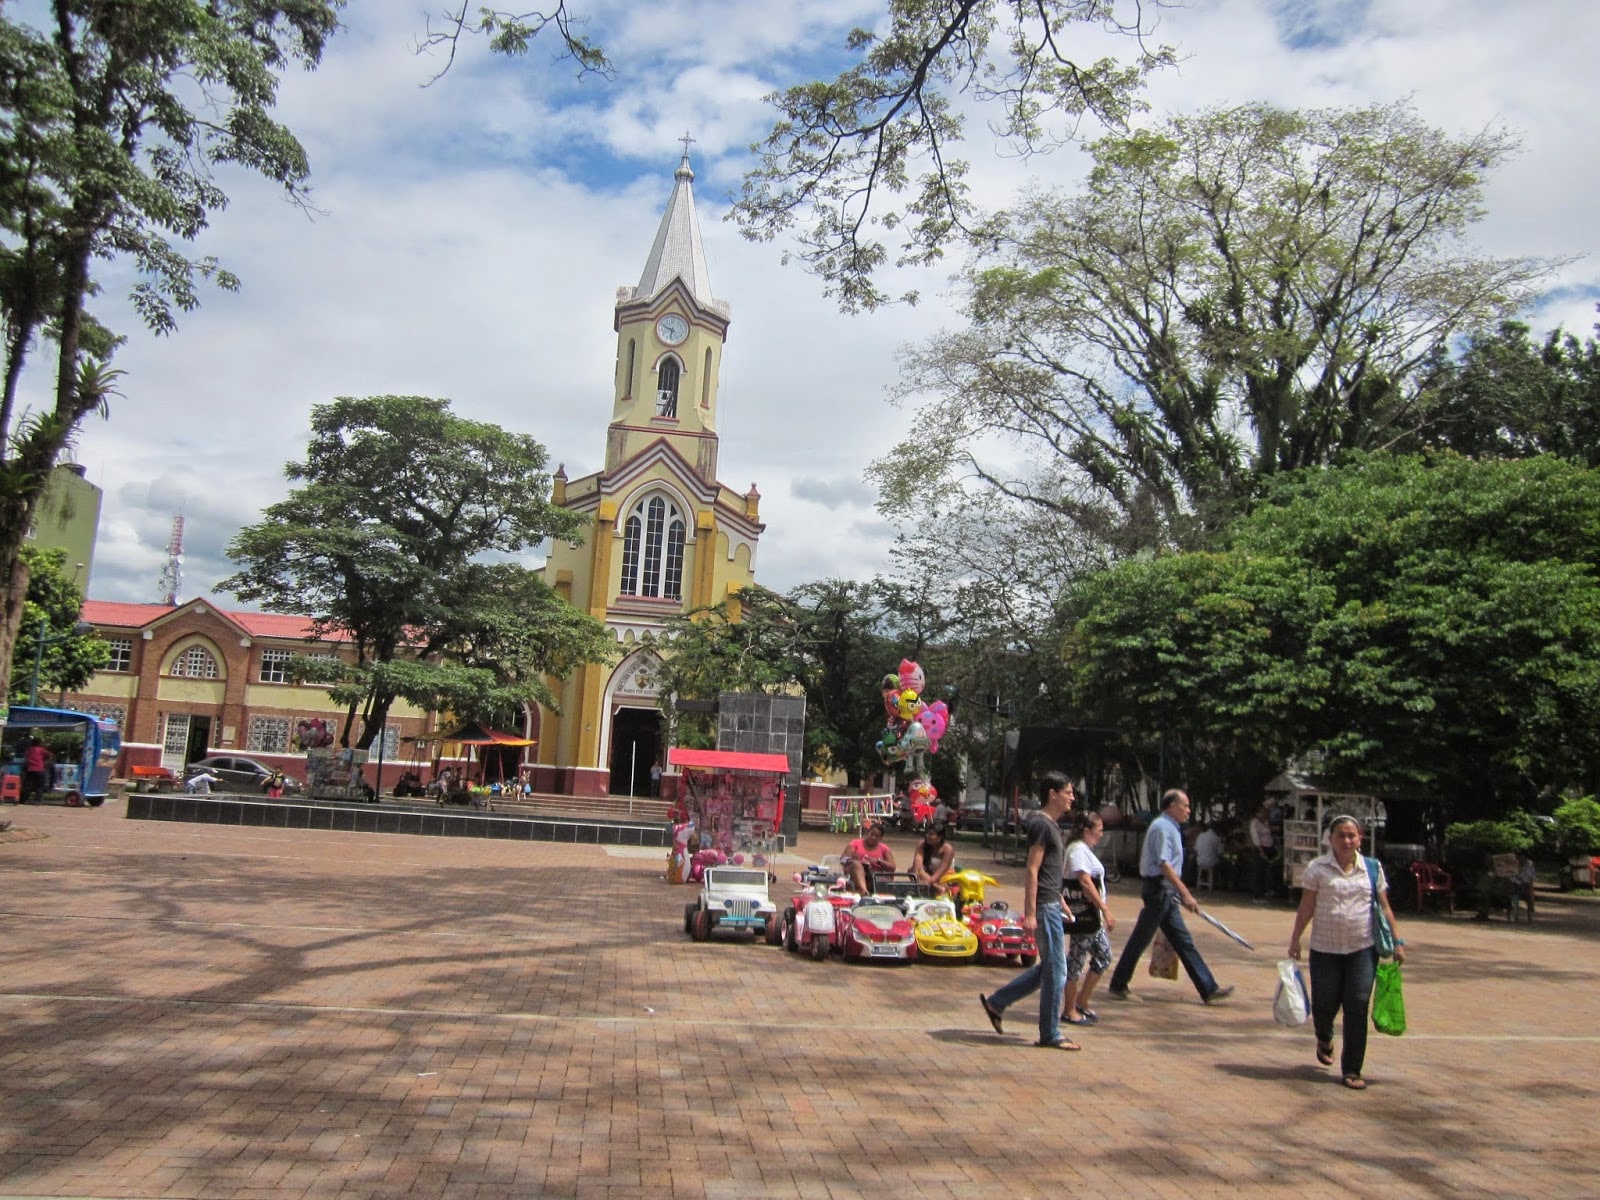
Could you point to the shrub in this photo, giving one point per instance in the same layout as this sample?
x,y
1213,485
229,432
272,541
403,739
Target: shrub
x,y
1578,824
1468,845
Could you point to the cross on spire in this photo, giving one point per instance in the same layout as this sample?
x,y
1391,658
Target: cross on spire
x,y
687,142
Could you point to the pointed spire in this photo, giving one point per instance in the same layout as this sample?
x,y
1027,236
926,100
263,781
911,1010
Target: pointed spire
x,y
678,252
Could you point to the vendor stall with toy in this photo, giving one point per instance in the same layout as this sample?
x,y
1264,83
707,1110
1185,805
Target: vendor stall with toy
x,y
734,803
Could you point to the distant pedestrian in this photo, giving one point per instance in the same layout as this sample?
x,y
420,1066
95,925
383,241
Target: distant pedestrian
x,y
1337,901
200,784
1165,897
1042,917
36,760
1261,844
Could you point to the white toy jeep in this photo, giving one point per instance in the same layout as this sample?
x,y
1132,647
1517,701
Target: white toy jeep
x,y
733,898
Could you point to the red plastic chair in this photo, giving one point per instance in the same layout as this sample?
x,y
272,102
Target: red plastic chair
x,y
1433,881
10,787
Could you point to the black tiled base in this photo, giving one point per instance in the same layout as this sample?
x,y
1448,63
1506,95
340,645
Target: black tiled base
x,y
363,818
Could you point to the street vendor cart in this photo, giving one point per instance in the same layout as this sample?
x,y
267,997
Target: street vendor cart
x,y
735,799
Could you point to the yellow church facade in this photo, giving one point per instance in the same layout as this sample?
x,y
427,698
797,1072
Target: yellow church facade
x,y
665,536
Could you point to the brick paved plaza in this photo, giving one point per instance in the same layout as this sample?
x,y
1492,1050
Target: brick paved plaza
x,y
253,1014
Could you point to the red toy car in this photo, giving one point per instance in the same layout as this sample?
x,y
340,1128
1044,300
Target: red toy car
x,y
1001,937
876,929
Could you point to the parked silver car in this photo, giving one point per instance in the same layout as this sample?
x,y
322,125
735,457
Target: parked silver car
x,y
240,774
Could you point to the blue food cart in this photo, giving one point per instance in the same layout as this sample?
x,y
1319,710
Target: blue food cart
x,y
84,776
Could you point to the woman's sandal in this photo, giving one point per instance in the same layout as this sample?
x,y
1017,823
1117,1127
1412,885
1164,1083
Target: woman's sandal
x,y
1355,1083
1060,1044
1325,1053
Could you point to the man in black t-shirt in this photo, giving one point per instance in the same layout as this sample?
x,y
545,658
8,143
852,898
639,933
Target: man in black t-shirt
x,y
1042,916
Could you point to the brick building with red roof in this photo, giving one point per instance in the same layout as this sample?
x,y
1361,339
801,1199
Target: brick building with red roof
x,y
197,679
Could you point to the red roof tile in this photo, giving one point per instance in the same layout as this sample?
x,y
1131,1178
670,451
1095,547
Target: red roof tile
x,y
119,614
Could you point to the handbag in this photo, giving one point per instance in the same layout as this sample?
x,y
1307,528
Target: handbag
x,y
1382,931
1082,916
1290,1005
1388,1003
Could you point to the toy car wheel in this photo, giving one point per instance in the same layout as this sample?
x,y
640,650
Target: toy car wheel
x,y
819,947
688,917
1027,960
96,801
73,800
791,941
702,926
775,929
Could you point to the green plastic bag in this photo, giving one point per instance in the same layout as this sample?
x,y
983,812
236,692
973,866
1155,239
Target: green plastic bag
x,y
1388,1004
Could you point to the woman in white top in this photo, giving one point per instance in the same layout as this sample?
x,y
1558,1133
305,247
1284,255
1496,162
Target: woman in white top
x,y
1337,902
1086,868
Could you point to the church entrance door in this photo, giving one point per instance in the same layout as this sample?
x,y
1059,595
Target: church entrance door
x,y
635,745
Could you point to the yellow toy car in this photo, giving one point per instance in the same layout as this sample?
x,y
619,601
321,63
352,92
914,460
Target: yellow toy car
x,y
939,934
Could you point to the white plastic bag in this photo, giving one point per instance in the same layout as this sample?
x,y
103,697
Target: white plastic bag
x,y
1290,1006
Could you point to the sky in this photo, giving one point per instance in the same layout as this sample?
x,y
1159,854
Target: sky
x,y
469,237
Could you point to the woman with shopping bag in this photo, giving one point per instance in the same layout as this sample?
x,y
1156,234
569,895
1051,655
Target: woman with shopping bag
x,y
1345,900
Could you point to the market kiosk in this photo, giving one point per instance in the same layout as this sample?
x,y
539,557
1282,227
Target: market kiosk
x,y
734,798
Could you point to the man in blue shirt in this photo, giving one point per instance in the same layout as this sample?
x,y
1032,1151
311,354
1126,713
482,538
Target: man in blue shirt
x,y
1165,897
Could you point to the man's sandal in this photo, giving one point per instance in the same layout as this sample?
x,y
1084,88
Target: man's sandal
x,y
1355,1083
1325,1053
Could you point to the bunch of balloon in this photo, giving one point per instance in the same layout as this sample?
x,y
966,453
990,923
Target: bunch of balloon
x,y
913,731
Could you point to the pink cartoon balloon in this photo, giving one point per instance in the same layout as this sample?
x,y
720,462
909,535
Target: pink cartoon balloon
x,y
935,719
911,677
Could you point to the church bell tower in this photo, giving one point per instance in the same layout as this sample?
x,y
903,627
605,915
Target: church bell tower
x,y
666,536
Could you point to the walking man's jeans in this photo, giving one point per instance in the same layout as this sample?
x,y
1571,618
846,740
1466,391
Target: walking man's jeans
x,y
1047,976
1343,981
1164,911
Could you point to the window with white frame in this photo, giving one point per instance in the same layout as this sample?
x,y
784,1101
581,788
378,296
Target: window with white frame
x,y
652,550
121,655
268,735
195,663
275,666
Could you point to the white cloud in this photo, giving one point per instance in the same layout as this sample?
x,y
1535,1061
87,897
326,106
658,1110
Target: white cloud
x,y
473,234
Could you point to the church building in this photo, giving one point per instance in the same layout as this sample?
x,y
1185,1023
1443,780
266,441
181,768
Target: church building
x,y
666,536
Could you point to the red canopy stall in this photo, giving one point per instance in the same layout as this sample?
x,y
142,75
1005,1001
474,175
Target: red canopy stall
x,y
735,798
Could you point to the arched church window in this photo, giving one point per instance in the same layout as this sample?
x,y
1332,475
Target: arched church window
x,y
627,384
652,550
667,375
195,663
705,382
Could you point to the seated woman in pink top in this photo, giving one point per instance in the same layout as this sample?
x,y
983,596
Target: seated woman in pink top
x,y
866,853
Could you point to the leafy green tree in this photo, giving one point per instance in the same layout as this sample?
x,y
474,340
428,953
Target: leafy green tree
x,y
390,540
1234,293
834,640
873,152
1505,395
67,659
114,119
1411,622
1578,825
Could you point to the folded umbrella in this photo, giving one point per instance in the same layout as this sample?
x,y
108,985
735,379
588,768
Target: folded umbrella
x,y
1212,921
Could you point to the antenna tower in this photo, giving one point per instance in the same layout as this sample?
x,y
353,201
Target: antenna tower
x,y
172,574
